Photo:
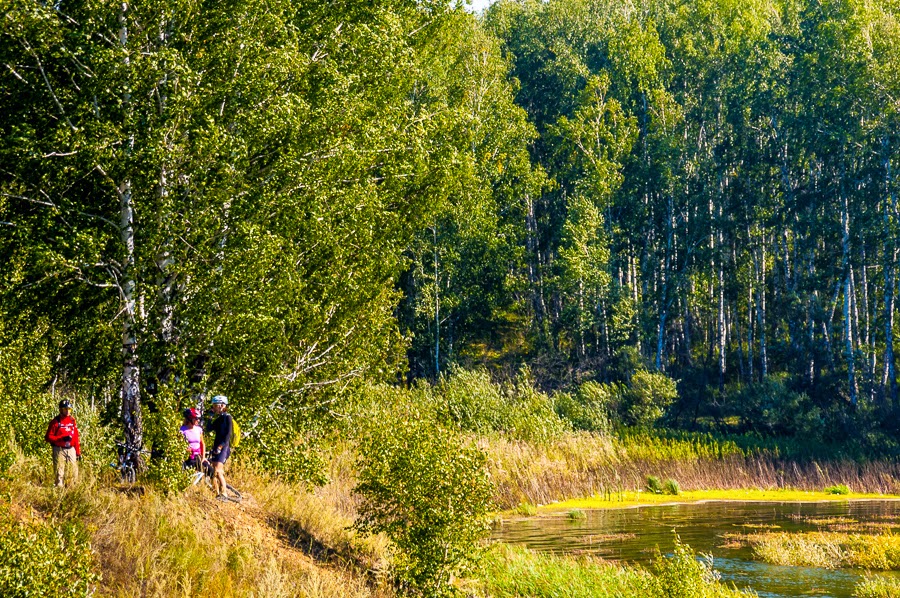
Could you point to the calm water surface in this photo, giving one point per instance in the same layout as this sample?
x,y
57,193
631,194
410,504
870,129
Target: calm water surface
x,y
632,535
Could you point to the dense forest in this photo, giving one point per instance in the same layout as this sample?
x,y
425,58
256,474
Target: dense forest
x,y
282,201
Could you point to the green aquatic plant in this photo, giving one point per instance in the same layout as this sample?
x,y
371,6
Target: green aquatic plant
x,y
877,587
654,486
577,515
841,489
671,487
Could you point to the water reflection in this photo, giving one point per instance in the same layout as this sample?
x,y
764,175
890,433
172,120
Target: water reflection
x,y
633,536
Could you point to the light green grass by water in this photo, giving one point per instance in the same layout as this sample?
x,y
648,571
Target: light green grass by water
x,y
514,572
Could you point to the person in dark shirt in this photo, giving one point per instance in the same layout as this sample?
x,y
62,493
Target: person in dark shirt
x,y
223,429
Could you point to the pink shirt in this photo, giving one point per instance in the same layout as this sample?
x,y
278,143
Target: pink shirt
x,y
193,436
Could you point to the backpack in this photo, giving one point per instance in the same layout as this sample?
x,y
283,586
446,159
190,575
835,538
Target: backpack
x,y
235,433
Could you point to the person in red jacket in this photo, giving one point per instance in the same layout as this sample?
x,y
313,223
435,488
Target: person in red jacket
x,y
62,434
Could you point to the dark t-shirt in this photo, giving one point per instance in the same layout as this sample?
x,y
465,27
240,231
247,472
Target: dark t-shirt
x,y
223,428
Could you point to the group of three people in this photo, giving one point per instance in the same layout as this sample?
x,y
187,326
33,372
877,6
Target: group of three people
x,y
62,434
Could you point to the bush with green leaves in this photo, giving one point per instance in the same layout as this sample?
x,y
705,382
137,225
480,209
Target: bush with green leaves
x,y
589,407
429,492
44,559
683,575
471,401
169,450
772,408
648,396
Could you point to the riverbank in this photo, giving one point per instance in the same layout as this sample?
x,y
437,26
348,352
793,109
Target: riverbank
x,y
616,469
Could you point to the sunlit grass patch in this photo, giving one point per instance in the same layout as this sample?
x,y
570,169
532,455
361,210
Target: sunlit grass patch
x,y
636,499
828,550
877,587
513,572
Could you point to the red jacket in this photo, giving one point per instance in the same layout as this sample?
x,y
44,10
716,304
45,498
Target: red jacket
x,y
64,427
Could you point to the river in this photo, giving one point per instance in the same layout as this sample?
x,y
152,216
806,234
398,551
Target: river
x,y
633,535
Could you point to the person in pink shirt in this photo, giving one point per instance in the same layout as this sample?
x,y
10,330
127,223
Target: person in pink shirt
x,y
193,434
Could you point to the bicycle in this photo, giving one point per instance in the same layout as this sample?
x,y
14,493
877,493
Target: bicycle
x,y
205,470
126,462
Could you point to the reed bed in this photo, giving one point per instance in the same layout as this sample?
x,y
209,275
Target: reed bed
x,y
513,572
827,550
878,587
584,464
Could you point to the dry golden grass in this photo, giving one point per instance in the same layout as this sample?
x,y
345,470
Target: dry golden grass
x,y
577,465
282,541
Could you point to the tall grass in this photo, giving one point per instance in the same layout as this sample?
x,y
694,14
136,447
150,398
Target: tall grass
x,y
282,541
584,464
828,550
512,572
877,587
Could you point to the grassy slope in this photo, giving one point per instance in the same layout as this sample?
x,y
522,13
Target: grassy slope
x,y
282,541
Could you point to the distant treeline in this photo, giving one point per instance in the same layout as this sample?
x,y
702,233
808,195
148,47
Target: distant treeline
x,y
721,196
278,200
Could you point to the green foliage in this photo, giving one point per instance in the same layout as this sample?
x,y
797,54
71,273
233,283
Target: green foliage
x,y
654,485
589,407
471,401
684,576
169,450
576,515
283,456
25,367
840,489
429,492
671,487
877,587
647,397
512,572
771,407
527,509
44,559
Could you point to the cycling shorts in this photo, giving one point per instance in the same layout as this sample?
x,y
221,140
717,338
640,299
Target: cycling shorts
x,y
222,456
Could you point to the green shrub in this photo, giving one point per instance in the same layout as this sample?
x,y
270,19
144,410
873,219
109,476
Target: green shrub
x,y
838,489
671,487
530,413
527,509
590,406
429,492
648,396
771,408
577,515
43,559
654,485
162,436
683,575
471,401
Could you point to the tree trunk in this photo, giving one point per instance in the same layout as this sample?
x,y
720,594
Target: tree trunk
x,y
889,378
848,289
132,422
664,286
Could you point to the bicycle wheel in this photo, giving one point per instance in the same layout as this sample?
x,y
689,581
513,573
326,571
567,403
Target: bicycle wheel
x,y
128,476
